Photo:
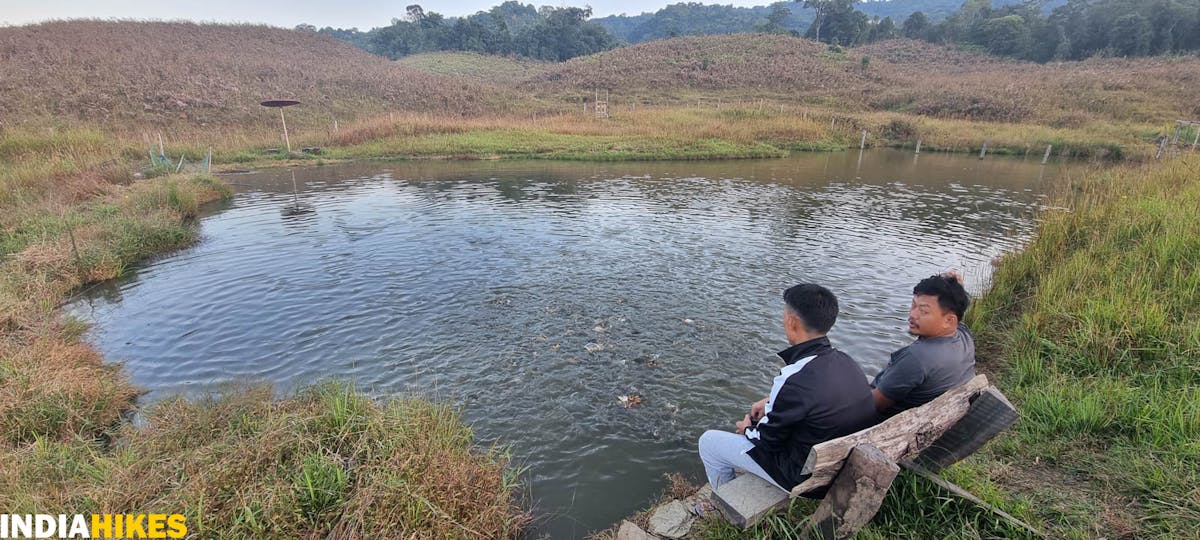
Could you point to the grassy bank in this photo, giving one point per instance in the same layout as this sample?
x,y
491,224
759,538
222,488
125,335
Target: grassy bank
x,y
326,462
735,131
1093,331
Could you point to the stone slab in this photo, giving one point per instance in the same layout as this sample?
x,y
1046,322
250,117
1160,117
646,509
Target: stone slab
x,y
672,520
630,531
747,498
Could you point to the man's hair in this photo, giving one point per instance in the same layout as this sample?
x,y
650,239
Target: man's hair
x,y
815,305
950,293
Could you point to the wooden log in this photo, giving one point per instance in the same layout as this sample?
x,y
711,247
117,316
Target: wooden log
x,y
906,434
856,493
989,414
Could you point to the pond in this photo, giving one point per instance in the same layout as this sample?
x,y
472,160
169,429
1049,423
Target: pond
x,y
535,294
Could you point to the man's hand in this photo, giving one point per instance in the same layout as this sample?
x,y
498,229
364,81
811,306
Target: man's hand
x,y
743,424
758,409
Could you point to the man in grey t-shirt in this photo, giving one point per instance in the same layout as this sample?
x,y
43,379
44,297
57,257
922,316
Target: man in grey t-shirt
x,y
943,356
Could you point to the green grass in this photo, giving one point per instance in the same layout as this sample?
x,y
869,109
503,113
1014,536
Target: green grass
x,y
531,144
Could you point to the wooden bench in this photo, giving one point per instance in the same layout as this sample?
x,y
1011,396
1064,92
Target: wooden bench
x,y
858,469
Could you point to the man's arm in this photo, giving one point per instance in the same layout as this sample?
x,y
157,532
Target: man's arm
x,y
882,402
773,431
898,379
758,409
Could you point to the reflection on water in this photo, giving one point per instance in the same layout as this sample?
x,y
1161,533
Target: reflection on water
x,y
533,294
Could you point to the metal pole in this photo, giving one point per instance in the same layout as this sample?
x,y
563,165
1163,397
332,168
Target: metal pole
x,y
286,141
1046,157
983,152
918,147
863,144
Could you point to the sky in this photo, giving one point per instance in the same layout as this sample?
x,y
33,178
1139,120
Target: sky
x,y
363,14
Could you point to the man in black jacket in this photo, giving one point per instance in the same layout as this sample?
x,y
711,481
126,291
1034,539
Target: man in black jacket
x,y
820,394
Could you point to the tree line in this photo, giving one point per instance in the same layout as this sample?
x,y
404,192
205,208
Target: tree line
x,y
1038,30
1074,30
511,28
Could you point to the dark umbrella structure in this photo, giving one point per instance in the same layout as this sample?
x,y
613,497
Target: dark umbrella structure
x,y
280,104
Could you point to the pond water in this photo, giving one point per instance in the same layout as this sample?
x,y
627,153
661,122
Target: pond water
x,y
533,294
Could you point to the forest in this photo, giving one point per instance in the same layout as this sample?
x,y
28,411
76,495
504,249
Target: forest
x,y
1035,30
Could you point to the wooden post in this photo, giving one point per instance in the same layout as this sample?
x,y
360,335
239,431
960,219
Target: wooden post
x,y
208,161
1197,139
832,121
863,143
74,247
1046,157
287,141
918,147
1162,145
856,493
989,414
161,151
983,151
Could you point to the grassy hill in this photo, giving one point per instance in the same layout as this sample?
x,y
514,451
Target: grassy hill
x,y
124,73
475,66
897,75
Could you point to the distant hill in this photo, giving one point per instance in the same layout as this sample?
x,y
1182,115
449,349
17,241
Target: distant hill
x,y
901,75
693,18
135,73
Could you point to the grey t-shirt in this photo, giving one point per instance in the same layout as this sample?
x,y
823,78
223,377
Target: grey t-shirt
x,y
924,370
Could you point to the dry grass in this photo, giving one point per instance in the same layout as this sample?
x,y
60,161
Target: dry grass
x,y
475,66
900,75
140,74
328,462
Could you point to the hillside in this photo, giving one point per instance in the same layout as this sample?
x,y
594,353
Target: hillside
x,y
695,19
721,62
125,73
900,75
475,66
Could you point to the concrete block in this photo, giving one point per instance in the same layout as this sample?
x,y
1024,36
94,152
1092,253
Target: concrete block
x,y
747,498
630,531
672,520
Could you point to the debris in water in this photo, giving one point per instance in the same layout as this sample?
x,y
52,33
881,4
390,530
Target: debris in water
x,y
594,346
555,347
688,321
599,329
651,361
630,401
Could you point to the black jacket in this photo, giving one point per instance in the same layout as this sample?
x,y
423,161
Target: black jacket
x,y
821,394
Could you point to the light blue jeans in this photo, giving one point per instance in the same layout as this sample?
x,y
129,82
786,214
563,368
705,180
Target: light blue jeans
x,y
723,453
